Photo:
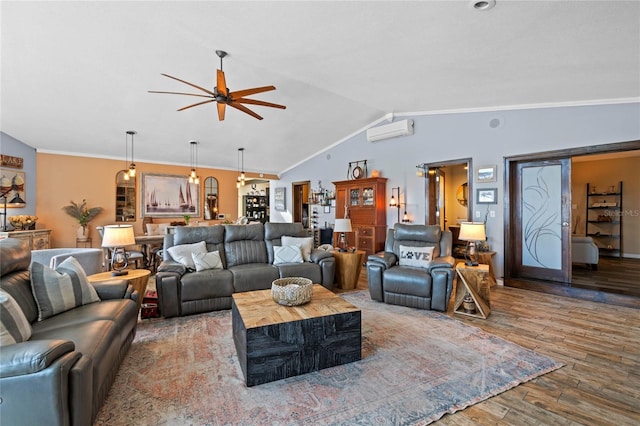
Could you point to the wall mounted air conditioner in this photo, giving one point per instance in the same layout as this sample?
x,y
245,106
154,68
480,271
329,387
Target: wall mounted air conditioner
x,y
392,130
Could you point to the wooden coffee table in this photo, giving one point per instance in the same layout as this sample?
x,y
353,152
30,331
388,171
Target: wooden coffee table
x,y
274,342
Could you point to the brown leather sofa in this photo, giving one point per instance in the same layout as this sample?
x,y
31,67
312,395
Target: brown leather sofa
x,y
247,255
62,374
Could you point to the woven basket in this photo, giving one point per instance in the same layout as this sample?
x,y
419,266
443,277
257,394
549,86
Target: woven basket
x,y
292,291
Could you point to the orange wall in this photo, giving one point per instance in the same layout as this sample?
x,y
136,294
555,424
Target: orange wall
x,y
63,178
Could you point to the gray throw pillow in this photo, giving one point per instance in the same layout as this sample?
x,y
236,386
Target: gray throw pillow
x,y
14,327
287,254
305,243
204,261
62,289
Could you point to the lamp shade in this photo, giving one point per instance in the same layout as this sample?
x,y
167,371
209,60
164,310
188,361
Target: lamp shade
x,y
118,236
342,225
472,231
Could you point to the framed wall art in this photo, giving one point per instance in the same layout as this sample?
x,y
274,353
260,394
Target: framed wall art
x,y
168,196
487,196
486,174
279,201
12,186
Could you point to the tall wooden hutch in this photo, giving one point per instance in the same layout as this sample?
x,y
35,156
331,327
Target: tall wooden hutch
x,y
364,202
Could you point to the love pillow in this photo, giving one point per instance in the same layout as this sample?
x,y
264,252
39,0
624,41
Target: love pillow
x,y
416,256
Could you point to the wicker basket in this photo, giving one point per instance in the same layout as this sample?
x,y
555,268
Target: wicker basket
x,y
292,291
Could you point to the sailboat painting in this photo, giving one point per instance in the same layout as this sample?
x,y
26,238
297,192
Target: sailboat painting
x,y
169,196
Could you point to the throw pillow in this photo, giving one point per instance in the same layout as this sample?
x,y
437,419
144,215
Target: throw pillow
x,y
204,261
14,327
415,256
287,254
305,243
59,290
182,253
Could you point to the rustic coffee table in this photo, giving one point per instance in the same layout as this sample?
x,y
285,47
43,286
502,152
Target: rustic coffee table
x,y
274,342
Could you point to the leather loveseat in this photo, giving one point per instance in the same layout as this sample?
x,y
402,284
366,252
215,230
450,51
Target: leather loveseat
x,y
247,255
425,280
61,375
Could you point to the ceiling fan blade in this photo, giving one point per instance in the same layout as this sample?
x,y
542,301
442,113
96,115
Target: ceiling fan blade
x,y
221,83
256,102
180,93
221,109
199,103
191,84
247,92
244,109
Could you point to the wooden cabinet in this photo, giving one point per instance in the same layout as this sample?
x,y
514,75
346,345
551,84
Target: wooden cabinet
x,y
37,239
604,218
364,202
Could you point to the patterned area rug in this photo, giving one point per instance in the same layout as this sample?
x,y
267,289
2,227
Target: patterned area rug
x,y
416,366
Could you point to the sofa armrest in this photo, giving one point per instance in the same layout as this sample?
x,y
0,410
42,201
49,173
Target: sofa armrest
x,y
386,260
172,266
442,262
317,255
32,356
113,289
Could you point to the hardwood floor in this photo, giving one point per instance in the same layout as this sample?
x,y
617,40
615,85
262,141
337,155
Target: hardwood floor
x,y
614,275
598,343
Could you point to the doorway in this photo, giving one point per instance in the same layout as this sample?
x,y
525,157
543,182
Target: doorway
x,y
607,283
300,200
448,193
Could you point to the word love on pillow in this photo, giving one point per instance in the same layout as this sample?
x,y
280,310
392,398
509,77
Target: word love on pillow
x,y
415,256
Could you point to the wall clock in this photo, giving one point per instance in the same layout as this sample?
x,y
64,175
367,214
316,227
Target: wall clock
x,y
357,172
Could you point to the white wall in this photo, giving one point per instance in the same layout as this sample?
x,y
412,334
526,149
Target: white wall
x,y
451,136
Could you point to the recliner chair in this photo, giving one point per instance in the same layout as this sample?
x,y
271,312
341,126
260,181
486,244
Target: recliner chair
x,y
428,286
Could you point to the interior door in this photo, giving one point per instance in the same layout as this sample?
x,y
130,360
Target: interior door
x,y
435,189
540,215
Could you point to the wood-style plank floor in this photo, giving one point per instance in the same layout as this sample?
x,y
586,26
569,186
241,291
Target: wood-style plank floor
x,y
598,343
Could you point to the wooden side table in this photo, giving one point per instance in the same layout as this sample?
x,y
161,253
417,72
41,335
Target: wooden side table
x,y
475,282
84,243
486,257
348,266
138,278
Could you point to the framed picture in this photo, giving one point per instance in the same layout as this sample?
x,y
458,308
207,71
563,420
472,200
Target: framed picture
x,y
12,185
327,209
486,174
279,199
487,196
168,196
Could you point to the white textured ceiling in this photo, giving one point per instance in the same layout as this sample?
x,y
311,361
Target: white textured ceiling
x,y
75,75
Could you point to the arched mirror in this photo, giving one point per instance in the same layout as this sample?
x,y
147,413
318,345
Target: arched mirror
x,y
125,197
462,194
211,198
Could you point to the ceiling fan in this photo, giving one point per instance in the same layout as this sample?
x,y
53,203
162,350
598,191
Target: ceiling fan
x,y
223,96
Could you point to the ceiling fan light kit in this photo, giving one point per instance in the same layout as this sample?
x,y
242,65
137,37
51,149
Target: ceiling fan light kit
x,y
222,96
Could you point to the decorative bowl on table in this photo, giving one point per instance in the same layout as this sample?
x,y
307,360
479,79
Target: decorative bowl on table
x,y
291,291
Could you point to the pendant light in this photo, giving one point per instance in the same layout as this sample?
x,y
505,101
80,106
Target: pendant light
x,y
193,176
241,176
132,166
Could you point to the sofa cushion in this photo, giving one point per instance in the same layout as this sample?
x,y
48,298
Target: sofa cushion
x,y
253,276
206,285
61,289
287,254
14,327
182,253
305,243
204,261
415,256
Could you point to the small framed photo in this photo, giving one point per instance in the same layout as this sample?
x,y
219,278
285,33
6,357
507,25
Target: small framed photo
x,y
487,195
327,209
486,174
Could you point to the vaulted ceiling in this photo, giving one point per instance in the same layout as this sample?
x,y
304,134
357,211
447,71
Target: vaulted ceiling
x,y
75,75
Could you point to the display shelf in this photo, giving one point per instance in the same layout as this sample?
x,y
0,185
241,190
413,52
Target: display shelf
x,y
604,218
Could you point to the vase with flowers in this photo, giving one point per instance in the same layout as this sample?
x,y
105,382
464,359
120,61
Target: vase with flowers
x,y
83,215
23,222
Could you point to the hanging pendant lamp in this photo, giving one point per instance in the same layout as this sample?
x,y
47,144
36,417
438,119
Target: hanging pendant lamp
x,y
132,166
193,176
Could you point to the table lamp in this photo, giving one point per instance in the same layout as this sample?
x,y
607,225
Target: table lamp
x,y
117,237
471,232
342,226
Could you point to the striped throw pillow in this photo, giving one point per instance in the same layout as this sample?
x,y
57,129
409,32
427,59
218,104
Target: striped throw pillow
x,y
14,327
59,290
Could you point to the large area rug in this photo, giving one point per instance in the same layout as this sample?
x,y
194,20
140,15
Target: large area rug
x,y
416,366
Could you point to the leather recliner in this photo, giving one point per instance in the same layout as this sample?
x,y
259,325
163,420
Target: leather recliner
x,y
427,287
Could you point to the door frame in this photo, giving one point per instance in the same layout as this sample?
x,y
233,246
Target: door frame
x,y
429,184
510,184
